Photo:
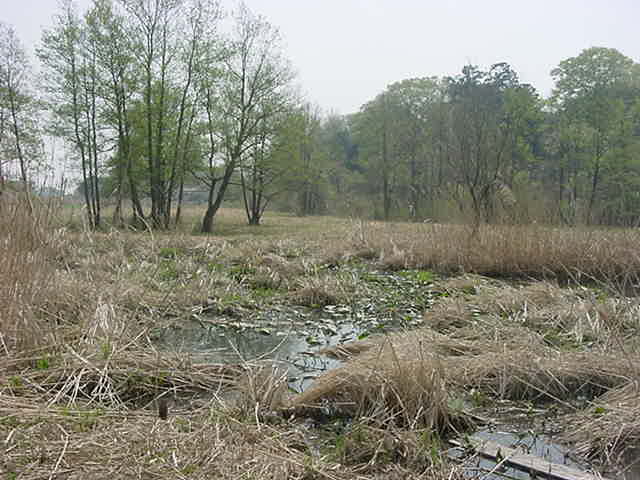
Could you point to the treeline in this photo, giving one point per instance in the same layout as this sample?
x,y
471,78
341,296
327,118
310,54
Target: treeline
x,y
484,147
156,100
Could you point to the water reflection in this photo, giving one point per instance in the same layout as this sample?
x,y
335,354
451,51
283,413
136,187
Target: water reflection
x,y
538,445
291,341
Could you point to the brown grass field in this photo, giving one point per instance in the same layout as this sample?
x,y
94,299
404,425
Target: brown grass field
x,y
530,315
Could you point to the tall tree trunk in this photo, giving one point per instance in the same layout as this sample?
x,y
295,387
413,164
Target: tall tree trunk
x,y
214,201
386,183
595,178
118,220
80,144
17,134
181,118
207,221
153,169
180,199
94,146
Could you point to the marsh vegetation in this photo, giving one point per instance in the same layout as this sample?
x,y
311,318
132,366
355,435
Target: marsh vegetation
x,y
448,331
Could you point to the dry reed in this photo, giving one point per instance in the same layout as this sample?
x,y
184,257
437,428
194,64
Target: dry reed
x,y
26,246
609,430
388,385
508,342
608,256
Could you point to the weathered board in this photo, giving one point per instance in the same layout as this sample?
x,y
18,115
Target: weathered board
x,y
522,461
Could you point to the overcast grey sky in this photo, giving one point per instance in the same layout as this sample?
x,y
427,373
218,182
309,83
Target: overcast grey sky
x,y
347,51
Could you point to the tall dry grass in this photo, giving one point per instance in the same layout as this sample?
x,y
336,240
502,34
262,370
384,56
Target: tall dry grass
x,y
27,245
205,444
489,336
607,256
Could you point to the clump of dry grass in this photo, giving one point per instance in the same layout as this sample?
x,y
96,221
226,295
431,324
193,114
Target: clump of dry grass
x,y
90,399
108,362
408,343
388,385
370,449
532,341
529,374
114,379
510,342
261,389
321,288
540,312
505,367
609,430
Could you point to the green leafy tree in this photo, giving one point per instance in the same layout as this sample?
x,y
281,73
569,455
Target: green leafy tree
x,y
415,119
115,61
397,146
153,27
267,170
488,115
251,87
342,172
20,139
378,142
308,162
69,60
594,95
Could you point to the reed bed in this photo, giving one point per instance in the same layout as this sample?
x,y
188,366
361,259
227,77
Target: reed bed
x,y
26,243
122,380
516,370
205,444
607,256
394,387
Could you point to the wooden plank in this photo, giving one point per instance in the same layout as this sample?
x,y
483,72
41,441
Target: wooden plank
x,y
529,463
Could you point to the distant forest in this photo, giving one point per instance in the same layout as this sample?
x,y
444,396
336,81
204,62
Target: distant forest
x,y
168,102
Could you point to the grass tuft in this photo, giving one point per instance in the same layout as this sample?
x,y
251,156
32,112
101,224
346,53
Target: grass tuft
x,y
388,386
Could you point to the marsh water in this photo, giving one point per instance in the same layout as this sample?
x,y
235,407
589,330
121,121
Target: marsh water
x,y
523,441
293,336
290,337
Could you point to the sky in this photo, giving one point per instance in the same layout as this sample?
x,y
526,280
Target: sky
x,y
347,51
